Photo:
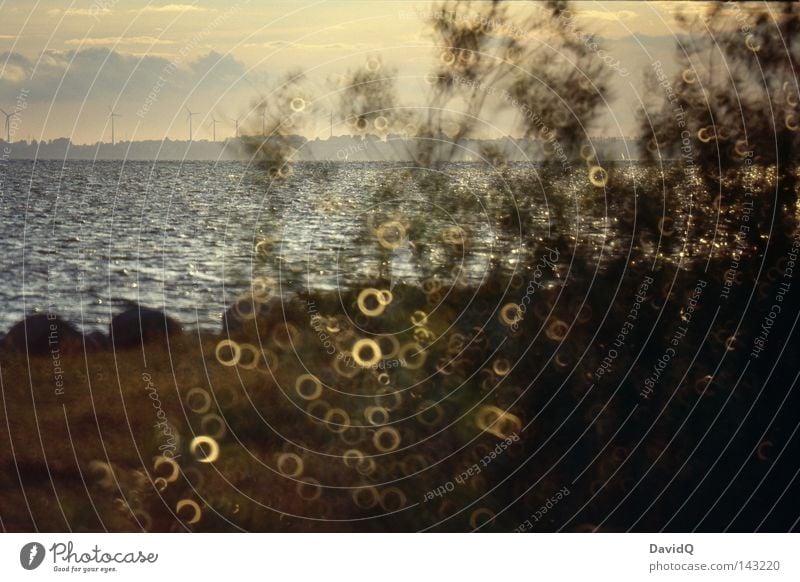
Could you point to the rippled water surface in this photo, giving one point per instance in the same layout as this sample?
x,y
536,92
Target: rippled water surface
x,y
81,239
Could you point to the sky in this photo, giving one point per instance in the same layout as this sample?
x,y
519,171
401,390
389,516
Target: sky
x,y
69,63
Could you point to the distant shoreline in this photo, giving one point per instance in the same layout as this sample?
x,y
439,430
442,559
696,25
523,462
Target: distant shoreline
x,y
370,148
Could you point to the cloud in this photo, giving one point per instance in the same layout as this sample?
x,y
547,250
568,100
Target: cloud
x,y
173,8
729,16
101,73
114,41
611,16
13,74
704,8
93,12
225,67
279,44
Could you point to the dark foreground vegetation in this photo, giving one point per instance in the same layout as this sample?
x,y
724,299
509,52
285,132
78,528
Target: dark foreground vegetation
x,y
655,389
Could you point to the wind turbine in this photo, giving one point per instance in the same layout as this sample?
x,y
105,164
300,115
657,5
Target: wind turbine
x,y
190,114
8,125
236,124
214,123
113,115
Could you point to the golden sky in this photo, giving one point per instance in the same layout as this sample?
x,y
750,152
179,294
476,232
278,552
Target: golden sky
x,y
76,59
